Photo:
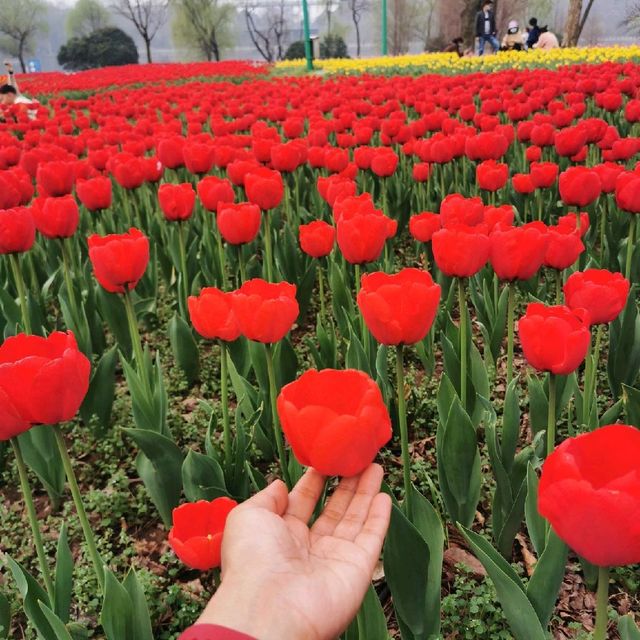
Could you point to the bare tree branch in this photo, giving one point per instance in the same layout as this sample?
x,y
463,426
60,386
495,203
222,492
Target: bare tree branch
x,y
147,17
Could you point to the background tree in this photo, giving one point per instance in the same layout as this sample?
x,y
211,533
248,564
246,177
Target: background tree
x,y
87,16
101,48
330,6
203,26
268,29
20,23
402,18
357,9
576,19
147,17
333,46
631,20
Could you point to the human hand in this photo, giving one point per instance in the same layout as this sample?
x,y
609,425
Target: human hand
x,y
8,66
285,581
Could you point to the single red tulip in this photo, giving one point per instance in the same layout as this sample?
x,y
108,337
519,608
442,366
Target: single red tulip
x,y
502,216
384,162
335,421
554,339
579,186
628,192
590,493
264,187
602,293
361,236
423,225
317,238
460,250
399,308
238,223
212,315
456,209
492,175
171,152
55,178
196,534
198,157
177,201
523,183
17,230
543,174
265,311
563,248
42,381
518,253
95,194
119,260
213,190
421,171
56,217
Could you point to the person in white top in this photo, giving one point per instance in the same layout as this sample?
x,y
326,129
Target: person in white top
x,y
9,92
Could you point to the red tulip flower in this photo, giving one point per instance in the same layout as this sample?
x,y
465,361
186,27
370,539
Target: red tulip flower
x,y
212,315
554,339
563,249
264,187
17,230
523,183
171,152
198,157
196,534
265,311
628,192
460,250
492,175
400,308
502,216
384,162
56,217
518,253
317,238
579,186
590,493
421,171
238,223
42,381
335,421
95,193
423,225
55,179
213,191
456,209
177,201
119,260
602,293
543,174
361,236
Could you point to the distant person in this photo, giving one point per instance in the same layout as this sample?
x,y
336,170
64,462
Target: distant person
x,y
547,40
486,27
514,38
455,46
10,94
534,33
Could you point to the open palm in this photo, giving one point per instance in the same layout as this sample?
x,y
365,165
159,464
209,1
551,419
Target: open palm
x,y
301,582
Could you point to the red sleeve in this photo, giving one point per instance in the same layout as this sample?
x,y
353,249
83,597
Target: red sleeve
x,y
212,632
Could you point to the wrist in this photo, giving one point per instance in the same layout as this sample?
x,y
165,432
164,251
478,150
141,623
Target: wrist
x,y
247,607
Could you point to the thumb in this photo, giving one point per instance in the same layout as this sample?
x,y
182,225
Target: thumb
x,y
274,498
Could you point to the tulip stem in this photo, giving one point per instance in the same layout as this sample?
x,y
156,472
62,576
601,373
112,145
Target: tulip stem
x,y
224,399
363,326
632,226
66,269
221,260
404,431
77,500
274,416
591,371
267,247
510,330
384,196
33,519
558,275
243,274
183,266
323,309
551,416
602,604
136,341
22,296
462,302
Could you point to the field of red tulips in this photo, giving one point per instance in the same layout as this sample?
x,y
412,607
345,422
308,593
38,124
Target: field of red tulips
x,y
209,283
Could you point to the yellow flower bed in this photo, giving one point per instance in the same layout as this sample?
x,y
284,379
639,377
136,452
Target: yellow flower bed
x,y
451,63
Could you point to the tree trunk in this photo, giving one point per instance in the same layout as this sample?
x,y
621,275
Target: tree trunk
x,y
23,66
572,25
467,20
147,44
357,38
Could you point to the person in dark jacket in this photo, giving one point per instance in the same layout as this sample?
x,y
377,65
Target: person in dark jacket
x,y
486,27
534,33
